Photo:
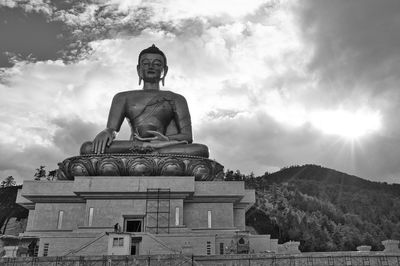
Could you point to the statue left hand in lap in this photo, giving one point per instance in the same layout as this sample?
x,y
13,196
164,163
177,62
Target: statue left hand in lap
x,y
159,120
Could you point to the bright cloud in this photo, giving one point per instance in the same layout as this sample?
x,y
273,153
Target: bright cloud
x,y
347,124
181,9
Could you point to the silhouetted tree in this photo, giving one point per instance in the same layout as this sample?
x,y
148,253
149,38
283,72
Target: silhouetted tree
x,y
237,176
228,175
40,173
51,175
8,182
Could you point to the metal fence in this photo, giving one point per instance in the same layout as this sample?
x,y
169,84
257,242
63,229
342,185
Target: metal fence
x,y
303,259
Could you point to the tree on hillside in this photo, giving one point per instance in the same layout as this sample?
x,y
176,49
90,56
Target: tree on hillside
x,y
238,176
8,182
51,175
228,175
234,176
40,173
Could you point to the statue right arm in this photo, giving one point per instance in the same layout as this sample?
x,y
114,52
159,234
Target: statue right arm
x,y
115,119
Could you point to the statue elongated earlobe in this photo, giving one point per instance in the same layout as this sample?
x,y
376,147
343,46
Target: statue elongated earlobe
x,y
165,73
139,75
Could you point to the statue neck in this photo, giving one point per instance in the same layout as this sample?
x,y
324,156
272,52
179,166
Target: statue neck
x,y
151,86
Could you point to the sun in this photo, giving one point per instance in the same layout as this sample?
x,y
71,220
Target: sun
x,y
347,124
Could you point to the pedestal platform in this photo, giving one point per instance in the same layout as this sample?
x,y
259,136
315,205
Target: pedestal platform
x,y
140,165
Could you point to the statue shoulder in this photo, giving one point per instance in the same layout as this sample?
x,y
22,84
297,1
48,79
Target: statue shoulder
x,y
175,96
125,94
120,95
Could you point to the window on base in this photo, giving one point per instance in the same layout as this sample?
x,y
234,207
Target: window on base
x,y
133,250
208,219
176,216
208,248
133,225
118,242
60,219
45,249
90,217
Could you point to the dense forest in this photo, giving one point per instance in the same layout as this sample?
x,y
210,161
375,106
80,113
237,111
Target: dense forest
x,y
8,207
323,209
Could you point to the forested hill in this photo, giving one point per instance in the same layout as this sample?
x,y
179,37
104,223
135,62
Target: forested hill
x,y
8,207
324,209
328,176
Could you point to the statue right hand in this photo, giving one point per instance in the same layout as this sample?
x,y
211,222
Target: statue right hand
x,y
102,140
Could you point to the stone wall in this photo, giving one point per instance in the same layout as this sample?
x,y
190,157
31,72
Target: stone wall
x,y
46,216
195,215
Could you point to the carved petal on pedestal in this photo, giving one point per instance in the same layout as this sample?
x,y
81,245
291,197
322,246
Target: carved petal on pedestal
x,y
78,169
171,166
141,166
218,171
201,170
111,166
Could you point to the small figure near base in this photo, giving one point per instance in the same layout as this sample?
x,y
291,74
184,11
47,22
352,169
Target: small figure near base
x,y
117,228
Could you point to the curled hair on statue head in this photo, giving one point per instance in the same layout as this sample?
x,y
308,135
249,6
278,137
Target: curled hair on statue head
x,y
153,50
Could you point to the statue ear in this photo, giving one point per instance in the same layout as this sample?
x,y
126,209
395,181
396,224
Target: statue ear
x,y
139,74
165,73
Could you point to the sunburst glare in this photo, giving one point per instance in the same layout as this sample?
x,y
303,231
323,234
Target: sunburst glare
x,y
347,124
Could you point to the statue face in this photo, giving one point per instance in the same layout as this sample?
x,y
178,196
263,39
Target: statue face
x,y
151,67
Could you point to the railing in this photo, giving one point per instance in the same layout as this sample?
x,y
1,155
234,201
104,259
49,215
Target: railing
x,y
304,259
178,253
73,251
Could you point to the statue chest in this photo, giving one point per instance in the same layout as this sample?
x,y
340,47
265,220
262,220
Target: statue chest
x,y
156,109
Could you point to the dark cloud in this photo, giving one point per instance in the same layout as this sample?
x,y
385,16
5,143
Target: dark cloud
x,y
69,136
186,28
29,35
355,42
64,29
259,141
262,11
71,133
222,113
378,158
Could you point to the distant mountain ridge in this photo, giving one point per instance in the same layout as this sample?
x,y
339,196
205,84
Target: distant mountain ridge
x,y
324,209
329,176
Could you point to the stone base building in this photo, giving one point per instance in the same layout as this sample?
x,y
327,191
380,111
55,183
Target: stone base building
x,y
140,215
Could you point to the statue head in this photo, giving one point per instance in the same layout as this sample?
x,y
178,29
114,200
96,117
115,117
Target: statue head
x,y
152,65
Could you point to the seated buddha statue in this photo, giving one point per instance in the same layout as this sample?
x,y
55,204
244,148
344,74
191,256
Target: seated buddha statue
x,y
159,120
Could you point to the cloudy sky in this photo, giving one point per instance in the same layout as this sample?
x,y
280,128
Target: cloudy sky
x,y
269,83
